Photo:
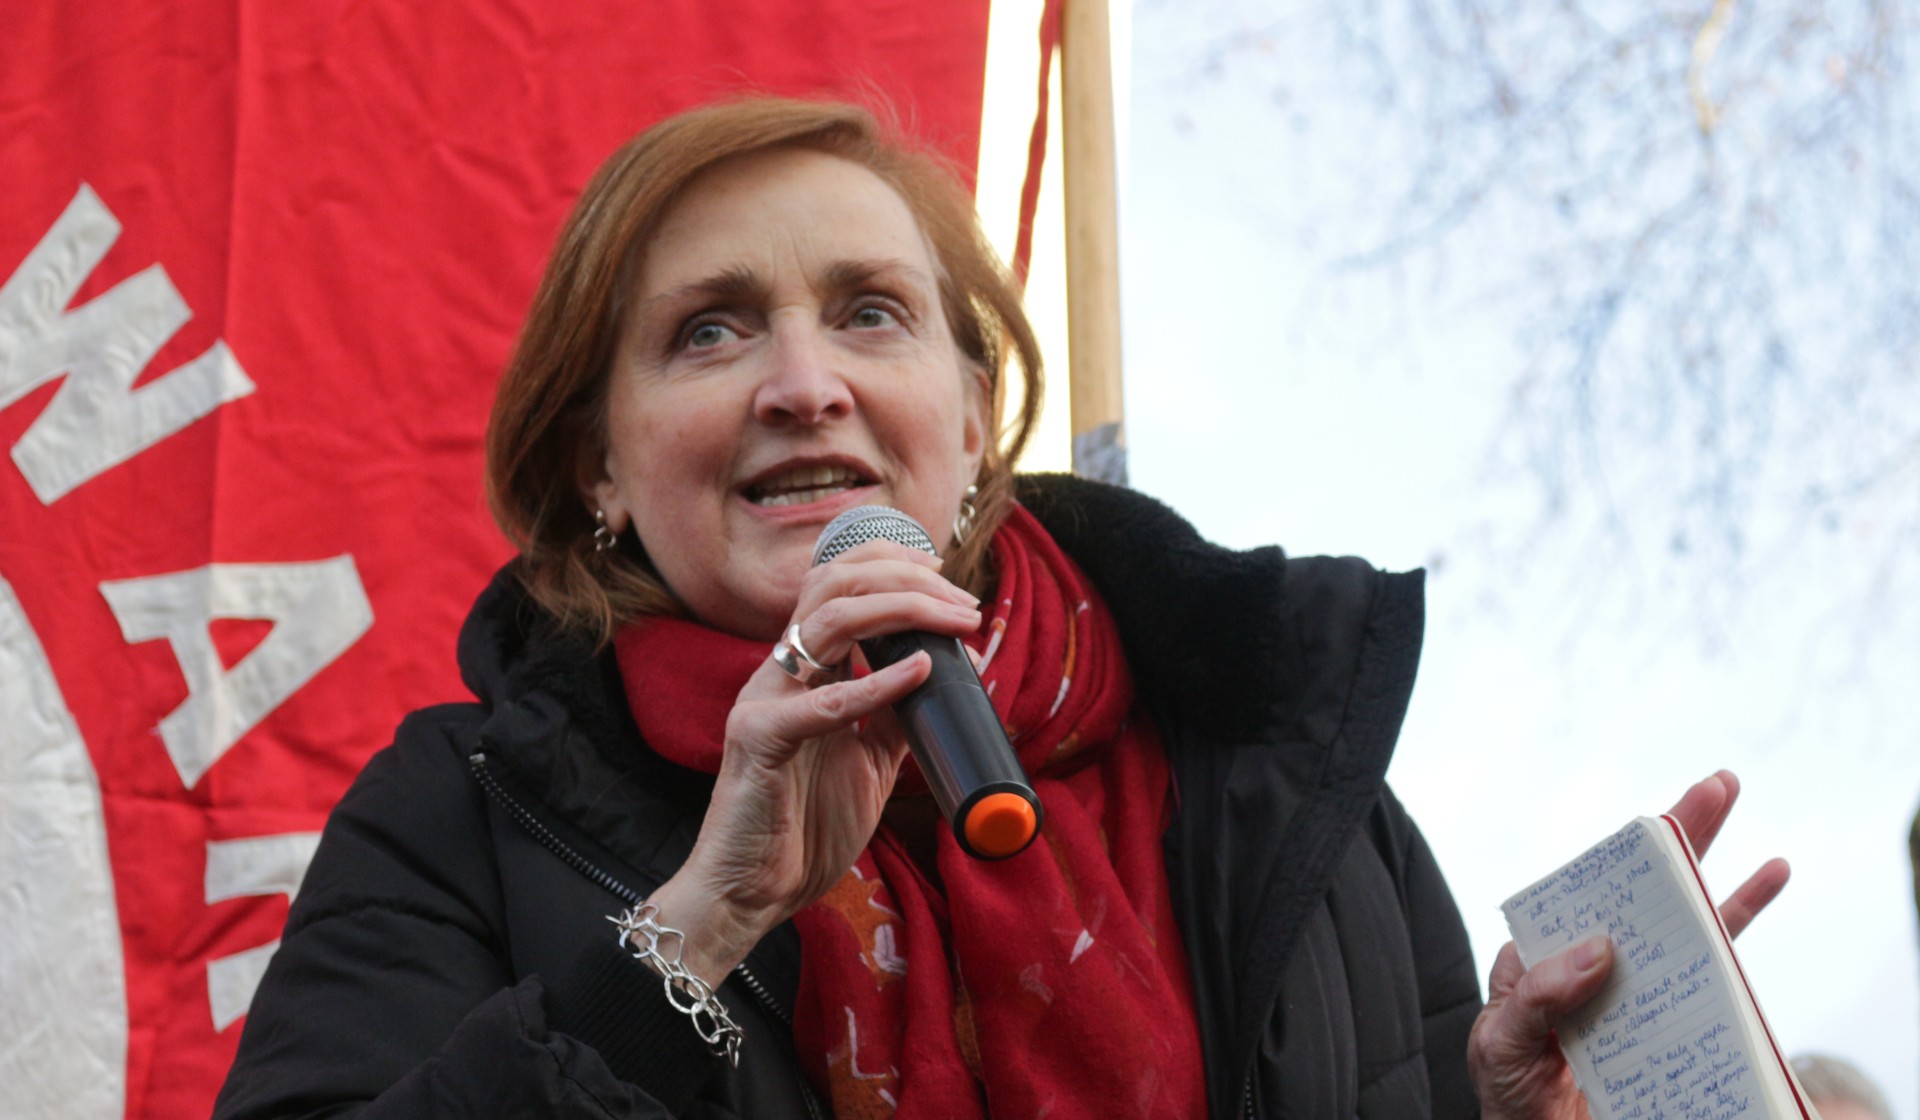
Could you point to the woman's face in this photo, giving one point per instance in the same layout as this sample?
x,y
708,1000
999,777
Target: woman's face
x,y
786,357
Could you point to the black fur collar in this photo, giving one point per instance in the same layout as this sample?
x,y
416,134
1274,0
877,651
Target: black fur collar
x,y
1204,626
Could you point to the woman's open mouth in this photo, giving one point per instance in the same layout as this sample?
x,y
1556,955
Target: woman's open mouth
x,y
799,485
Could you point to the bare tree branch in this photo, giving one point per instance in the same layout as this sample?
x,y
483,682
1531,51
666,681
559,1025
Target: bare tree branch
x,y
1703,218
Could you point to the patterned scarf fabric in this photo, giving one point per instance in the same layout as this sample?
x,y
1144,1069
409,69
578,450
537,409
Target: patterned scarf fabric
x,y
1053,983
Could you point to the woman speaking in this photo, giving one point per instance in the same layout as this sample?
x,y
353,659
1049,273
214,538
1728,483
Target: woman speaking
x,y
674,861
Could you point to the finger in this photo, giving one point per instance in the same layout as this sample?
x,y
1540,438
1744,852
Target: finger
x,y
831,632
1516,1067
1752,896
829,708
881,548
1704,808
1545,993
903,569
823,586
1507,971
882,731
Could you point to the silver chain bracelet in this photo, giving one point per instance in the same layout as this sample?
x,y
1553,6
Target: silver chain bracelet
x,y
659,947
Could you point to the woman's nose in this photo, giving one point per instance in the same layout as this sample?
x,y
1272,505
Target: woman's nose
x,y
802,384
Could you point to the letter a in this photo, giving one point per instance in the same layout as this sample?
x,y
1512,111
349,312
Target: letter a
x,y
318,609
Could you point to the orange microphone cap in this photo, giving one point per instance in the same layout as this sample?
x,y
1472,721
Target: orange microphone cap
x,y
1000,824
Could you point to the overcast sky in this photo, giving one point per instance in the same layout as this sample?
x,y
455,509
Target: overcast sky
x,y
1271,402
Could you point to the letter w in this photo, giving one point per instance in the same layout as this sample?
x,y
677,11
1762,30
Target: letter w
x,y
98,420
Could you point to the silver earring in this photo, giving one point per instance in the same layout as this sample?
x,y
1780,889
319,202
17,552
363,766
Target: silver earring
x,y
603,537
963,520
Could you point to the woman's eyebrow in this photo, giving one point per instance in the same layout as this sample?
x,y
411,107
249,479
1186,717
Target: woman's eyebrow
x,y
843,275
734,283
740,283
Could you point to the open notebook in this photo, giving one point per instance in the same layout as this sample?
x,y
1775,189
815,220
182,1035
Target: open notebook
x,y
1676,1034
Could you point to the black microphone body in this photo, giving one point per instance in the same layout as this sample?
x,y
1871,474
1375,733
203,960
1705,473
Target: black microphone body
x,y
949,721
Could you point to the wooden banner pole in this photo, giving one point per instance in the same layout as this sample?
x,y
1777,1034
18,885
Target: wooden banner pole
x,y
1093,231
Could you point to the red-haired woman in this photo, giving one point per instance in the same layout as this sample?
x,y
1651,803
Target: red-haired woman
x,y
761,315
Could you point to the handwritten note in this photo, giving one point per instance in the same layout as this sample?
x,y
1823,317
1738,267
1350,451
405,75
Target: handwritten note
x,y
1662,1041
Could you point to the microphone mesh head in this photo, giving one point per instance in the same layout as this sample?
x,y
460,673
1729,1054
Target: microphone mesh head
x,y
869,523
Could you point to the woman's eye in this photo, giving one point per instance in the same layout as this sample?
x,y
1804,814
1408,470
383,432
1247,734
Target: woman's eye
x,y
872,316
707,335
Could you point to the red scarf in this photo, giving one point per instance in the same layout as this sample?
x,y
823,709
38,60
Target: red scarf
x,y
1053,983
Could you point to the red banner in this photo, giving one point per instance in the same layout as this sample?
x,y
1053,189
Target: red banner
x,y
262,264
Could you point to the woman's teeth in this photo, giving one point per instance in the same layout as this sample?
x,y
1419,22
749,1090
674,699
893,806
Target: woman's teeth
x,y
799,497
803,485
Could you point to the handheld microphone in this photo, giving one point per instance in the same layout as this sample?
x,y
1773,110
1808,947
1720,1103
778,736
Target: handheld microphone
x,y
949,720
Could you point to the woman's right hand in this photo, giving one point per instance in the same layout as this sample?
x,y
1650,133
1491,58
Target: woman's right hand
x,y
806,770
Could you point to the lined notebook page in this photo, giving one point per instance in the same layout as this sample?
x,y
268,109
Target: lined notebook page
x,y
1662,1041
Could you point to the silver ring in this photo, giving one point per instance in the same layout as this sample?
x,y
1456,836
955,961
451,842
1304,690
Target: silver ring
x,y
795,661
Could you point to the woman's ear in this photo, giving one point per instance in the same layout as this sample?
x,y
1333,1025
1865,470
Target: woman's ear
x,y
978,433
594,476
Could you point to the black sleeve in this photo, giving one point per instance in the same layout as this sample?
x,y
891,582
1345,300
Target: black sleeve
x,y
390,994
1443,964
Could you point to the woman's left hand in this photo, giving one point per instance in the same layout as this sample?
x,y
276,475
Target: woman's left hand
x,y
1516,1063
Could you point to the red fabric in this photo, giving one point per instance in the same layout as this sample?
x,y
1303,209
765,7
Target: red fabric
x,y
1053,983
1036,141
356,200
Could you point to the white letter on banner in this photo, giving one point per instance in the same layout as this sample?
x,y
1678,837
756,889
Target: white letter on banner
x,y
63,1018
247,868
97,419
318,609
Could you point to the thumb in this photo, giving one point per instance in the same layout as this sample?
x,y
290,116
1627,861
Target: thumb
x,y
1516,1068
1554,987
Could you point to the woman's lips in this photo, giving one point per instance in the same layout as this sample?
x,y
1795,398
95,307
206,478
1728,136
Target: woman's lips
x,y
803,485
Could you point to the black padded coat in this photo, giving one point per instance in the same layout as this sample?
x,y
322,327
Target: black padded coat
x,y
448,954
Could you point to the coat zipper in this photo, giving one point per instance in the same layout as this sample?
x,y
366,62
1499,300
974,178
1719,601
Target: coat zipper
x,y
572,858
